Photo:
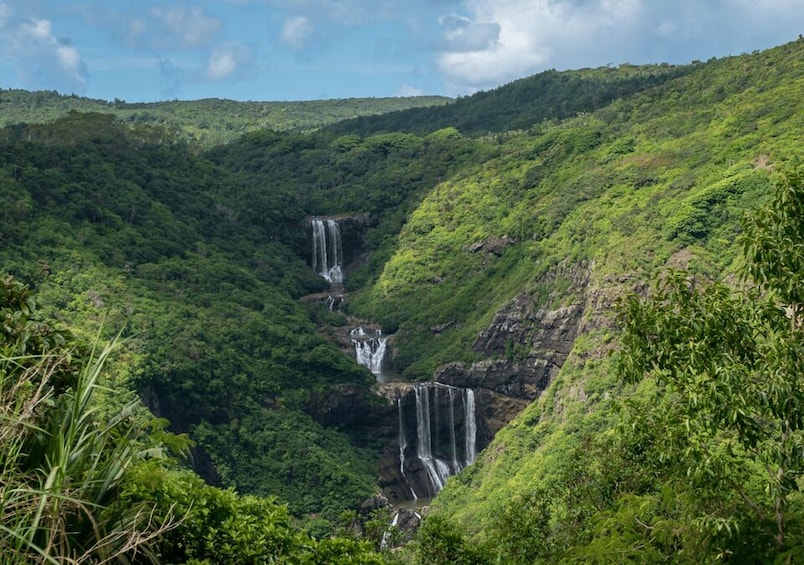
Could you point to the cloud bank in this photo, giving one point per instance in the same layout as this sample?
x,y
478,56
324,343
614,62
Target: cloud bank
x,y
452,47
41,60
496,41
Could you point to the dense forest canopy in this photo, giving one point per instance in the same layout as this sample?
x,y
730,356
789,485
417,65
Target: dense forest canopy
x,y
497,230
206,122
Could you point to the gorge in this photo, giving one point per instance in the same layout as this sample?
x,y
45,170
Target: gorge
x,y
322,317
433,429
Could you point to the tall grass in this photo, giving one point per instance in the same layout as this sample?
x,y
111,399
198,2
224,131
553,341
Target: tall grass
x,y
61,468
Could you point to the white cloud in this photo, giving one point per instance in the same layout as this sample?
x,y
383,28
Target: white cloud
x,y
5,14
666,28
408,90
189,27
42,60
228,60
462,35
296,33
538,34
530,35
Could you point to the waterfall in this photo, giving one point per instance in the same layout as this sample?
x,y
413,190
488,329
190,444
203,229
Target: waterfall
x,y
470,425
327,250
386,535
438,460
403,445
369,348
334,302
437,470
453,446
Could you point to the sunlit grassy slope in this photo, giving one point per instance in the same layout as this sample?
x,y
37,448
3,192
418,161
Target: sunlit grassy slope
x,y
661,178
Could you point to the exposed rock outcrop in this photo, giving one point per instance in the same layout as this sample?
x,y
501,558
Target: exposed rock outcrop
x,y
528,339
495,245
524,346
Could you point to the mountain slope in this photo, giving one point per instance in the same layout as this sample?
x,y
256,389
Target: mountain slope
x,y
120,234
550,95
625,187
653,181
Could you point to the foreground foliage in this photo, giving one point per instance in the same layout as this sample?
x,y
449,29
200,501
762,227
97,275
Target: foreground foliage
x,y
61,463
84,479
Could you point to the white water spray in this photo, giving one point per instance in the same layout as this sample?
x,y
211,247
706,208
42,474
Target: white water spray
x,y
436,462
327,250
369,348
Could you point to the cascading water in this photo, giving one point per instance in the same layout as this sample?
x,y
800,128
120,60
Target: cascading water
x,y
452,442
334,302
369,348
386,536
440,461
470,425
403,445
327,250
437,469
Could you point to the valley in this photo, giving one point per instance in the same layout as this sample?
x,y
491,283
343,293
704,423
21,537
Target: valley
x,y
416,309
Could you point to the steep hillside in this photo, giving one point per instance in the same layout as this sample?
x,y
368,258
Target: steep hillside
x,y
565,222
117,233
611,193
492,244
550,95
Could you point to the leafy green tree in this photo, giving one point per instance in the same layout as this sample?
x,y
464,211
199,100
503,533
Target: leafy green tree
x,y
440,542
219,526
521,528
727,412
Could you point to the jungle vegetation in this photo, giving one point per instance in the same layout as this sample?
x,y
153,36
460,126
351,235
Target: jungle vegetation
x,y
204,123
671,433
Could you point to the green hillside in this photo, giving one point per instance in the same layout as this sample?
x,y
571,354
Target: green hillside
x,y
654,181
497,231
150,240
550,95
204,122
624,188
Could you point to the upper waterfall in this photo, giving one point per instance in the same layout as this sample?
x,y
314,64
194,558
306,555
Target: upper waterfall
x,y
327,250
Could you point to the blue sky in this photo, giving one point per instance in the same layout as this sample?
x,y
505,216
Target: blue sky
x,y
149,50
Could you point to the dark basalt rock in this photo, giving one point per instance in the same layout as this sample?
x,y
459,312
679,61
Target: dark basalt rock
x,y
525,346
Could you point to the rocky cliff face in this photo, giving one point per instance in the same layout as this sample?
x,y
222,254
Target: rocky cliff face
x,y
525,345
528,340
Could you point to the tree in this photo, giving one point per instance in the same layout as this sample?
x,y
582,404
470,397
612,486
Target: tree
x,y
727,418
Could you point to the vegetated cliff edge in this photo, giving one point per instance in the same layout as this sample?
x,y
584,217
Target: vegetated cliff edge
x,y
589,209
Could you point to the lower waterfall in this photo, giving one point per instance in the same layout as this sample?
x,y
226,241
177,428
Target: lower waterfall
x,y
437,469
403,445
440,420
471,425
